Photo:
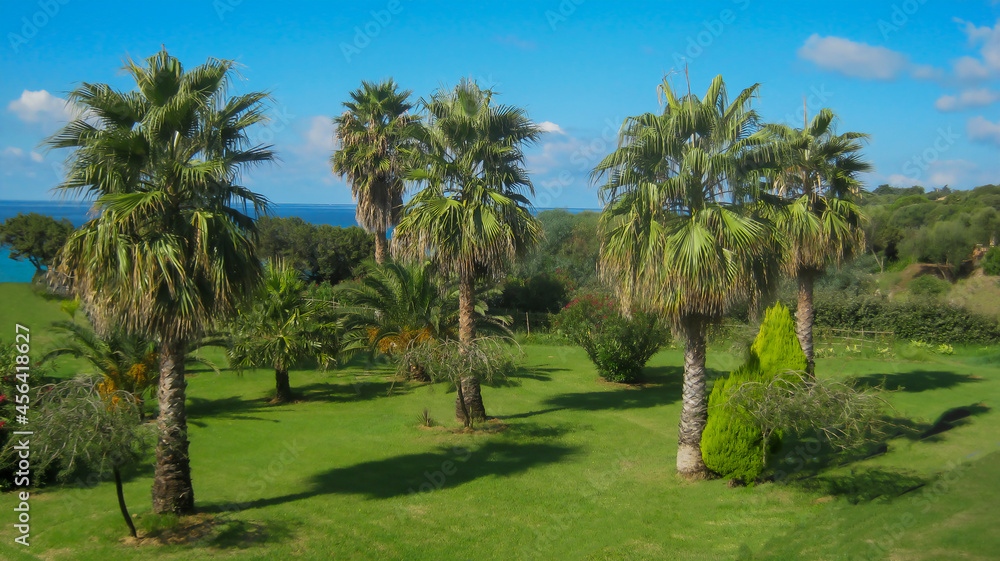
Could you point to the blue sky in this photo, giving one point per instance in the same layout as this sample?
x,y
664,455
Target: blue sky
x,y
921,77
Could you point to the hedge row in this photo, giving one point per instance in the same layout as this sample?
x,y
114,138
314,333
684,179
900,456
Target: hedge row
x,y
926,321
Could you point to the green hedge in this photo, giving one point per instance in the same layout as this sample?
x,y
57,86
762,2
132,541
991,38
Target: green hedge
x,y
920,321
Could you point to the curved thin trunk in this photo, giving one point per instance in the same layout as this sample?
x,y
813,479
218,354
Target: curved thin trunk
x,y
694,408
283,390
172,491
121,502
469,401
805,316
381,247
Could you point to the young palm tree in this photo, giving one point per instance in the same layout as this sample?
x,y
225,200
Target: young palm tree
x,y
372,135
281,328
172,249
471,216
816,176
678,230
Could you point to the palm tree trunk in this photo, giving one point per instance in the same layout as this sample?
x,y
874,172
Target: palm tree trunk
x,y
172,491
121,502
381,247
805,315
471,392
283,390
694,408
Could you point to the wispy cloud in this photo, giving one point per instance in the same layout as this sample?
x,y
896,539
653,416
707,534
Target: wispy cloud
x,y
852,58
968,99
516,42
983,130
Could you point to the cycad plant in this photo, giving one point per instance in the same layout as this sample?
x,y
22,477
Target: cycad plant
x,y
680,230
281,328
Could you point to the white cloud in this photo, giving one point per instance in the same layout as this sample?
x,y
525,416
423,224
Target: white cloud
x,y
983,130
319,136
968,99
40,106
549,126
13,151
970,69
852,58
36,157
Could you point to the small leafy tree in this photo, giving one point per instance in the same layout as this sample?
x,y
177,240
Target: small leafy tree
x,y
35,237
77,424
618,345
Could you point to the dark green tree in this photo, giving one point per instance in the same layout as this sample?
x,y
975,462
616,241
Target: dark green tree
x,y
35,237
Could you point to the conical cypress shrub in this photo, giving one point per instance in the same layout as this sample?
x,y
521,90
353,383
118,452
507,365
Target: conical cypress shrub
x,y
731,445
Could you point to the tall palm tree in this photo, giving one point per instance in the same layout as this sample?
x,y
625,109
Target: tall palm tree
x,y
817,176
281,328
471,217
172,249
679,228
372,135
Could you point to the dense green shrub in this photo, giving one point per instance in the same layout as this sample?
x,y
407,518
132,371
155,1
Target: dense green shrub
x,y
731,445
619,346
991,261
927,321
543,292
928,286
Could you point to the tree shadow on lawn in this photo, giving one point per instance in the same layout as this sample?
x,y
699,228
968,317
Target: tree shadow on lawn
x,y
238,407
661,386
416,473
863,485
914,381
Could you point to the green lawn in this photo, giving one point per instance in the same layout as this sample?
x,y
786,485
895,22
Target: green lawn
x,y
583,470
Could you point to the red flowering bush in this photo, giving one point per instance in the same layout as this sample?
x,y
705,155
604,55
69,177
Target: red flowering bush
x,y
618,346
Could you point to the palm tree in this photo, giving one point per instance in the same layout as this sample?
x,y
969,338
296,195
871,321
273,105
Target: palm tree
x,y
470,217
394,306
816,176
281,328
372,135
172,248
678,228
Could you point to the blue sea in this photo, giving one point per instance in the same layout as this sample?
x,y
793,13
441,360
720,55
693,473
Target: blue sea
x,y
79,212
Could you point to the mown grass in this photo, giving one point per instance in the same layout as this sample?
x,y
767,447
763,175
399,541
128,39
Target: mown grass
x,y
581,470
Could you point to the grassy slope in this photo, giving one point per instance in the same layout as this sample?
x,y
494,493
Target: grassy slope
x,y
584,471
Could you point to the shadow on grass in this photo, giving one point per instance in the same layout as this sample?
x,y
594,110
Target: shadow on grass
x,y
863,485
915,381
237,407
662,385
416,473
